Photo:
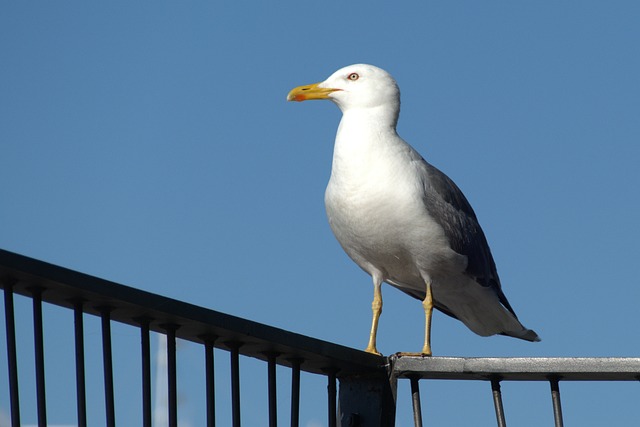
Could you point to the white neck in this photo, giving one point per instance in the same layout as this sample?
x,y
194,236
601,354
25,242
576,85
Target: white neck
x,y
366,138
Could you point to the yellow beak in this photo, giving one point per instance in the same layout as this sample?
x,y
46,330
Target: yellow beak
x,y
305,93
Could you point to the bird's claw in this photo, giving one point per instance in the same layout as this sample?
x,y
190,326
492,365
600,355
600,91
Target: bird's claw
x,y
413,354
372,350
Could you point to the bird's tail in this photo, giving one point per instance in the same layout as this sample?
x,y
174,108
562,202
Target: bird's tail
x,y
524,334
479,308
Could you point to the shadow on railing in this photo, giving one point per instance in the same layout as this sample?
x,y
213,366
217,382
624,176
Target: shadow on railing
x,y
367,391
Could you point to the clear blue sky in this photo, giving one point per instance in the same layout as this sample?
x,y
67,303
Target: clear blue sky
x,y
150,143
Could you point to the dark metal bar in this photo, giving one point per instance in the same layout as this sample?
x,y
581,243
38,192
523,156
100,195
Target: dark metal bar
x,y
38,341
415,400
234,348
366,400
332,390
12,358
497,403
107,360
172,376
81,398
295,392
555,398
210,374
271,375
145,350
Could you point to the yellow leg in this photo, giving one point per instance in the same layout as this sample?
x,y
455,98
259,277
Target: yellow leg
x,y
427,304
376,307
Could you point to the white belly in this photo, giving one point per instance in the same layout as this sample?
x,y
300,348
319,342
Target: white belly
x,y
389,233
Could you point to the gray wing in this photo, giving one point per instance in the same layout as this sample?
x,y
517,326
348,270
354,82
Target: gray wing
x,y
451,210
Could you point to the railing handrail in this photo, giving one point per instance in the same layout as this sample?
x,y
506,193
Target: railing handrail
x,y
517,368
64,287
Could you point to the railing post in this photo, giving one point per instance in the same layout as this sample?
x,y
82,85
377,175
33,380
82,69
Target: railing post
x,y
172,376
38,337
209,341
12,358
145,364
107,361
415,401
81,395
234,353
555,399
367,400
497,402
272,389
295,391
332,398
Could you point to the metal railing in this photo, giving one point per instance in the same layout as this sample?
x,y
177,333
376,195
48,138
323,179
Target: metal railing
x,y
43,282
496,370
367,383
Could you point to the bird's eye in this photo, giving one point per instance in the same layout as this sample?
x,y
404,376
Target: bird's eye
x,y
353,77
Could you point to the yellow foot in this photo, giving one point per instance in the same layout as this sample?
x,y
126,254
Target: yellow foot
x,y
372,350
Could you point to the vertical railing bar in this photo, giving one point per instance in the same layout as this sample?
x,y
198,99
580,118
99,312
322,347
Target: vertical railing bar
x,y
415,401
295,392
107,360
10,326
209,342
497,402
145,352
235,382
332,391
172,377
38,341
78,327
555,399
271,384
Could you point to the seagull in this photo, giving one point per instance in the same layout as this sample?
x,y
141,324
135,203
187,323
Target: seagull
x,y
402,220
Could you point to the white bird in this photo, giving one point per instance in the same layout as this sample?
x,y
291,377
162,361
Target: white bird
x,y
402,220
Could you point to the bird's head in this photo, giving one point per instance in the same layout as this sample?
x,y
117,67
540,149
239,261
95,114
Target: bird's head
x,y
355,86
